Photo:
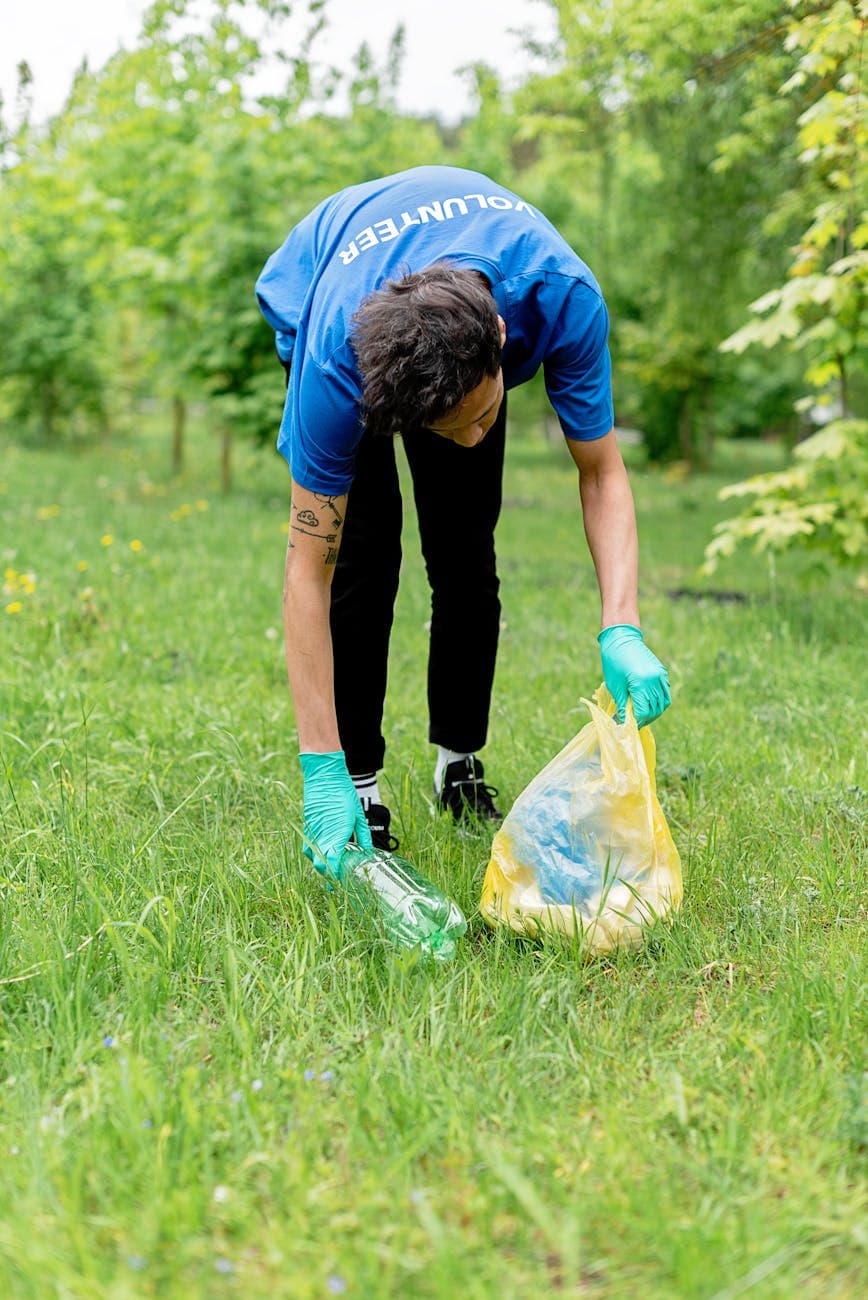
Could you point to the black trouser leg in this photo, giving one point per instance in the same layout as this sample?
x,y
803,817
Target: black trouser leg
x,y
458,492
363,596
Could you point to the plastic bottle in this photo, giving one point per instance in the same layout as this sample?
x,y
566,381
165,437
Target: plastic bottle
x,y
412,910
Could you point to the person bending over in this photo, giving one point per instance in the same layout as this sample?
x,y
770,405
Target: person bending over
x,y
410,305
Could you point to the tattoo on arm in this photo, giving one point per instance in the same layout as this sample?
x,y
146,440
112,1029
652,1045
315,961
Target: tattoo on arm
x,y
324,522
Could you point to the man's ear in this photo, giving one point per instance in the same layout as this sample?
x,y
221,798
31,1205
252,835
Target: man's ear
x,y
502,323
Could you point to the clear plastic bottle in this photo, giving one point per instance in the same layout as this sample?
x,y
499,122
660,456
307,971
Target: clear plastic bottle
x,y
412,910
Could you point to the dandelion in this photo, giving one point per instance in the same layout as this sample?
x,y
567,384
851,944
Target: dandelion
x,y
271,633
48,512
107,539
82,566
135,544
10,575
14,607
28,588
201,506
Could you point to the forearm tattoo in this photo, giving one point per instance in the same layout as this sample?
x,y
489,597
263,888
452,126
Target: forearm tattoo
x,y
323,521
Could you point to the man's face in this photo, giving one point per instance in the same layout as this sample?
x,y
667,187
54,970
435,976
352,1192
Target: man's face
x,y
474,415
468,424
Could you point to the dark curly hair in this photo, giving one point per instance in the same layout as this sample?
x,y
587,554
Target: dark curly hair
x,y
422,343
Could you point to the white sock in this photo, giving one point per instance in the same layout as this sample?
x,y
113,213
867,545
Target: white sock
x,y
444,757
367,788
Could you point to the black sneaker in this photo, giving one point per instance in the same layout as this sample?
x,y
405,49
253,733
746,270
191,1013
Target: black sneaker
x,y
465,793
378,818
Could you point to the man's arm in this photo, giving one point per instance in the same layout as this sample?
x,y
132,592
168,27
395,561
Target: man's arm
x,y
332,812
315,528
610,526
629,667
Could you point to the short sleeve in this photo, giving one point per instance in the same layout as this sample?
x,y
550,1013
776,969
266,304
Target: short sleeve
x,y
578,368
285,282
321,428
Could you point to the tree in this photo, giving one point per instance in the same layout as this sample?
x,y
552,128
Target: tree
x,y
821,311
632,126
53,334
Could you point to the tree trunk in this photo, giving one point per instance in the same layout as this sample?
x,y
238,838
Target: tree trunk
x,y
685,430
226,459
179,424
706,433
48,405
842,387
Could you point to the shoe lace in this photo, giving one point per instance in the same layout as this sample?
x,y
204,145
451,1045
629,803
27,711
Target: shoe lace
x,y
475,793
380,833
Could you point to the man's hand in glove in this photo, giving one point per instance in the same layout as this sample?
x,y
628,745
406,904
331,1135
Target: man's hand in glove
x,y
631,671
332,811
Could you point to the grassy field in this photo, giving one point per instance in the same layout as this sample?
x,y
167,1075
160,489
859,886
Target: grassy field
x,y
214,1082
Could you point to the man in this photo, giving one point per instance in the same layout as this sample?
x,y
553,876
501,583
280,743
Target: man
x,y
411,304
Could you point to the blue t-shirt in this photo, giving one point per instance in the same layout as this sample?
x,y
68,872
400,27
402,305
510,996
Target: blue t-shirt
x,y
354,241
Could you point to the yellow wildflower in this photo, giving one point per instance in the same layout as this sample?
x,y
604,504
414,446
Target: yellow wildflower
x,y
11,575
14,607
47,512
201,505
135,544
106,539
82,566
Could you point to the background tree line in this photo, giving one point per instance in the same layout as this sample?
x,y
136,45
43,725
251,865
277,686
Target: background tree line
x,y
707,161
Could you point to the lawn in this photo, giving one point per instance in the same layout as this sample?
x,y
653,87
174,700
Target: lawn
x,y
215,1080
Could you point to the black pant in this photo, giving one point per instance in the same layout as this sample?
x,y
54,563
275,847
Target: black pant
x,y
458,494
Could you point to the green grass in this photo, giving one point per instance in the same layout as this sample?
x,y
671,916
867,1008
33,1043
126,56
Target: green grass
x,y
214,1082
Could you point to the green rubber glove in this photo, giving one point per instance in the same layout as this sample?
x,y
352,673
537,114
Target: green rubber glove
x,y
333,813
631,670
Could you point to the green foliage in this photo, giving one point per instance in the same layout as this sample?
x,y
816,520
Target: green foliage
x,y
152,201
632,129
52,301
820,503
216,1082
822,309
656,141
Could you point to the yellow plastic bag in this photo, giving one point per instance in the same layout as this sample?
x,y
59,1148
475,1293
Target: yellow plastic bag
x,y
586,848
